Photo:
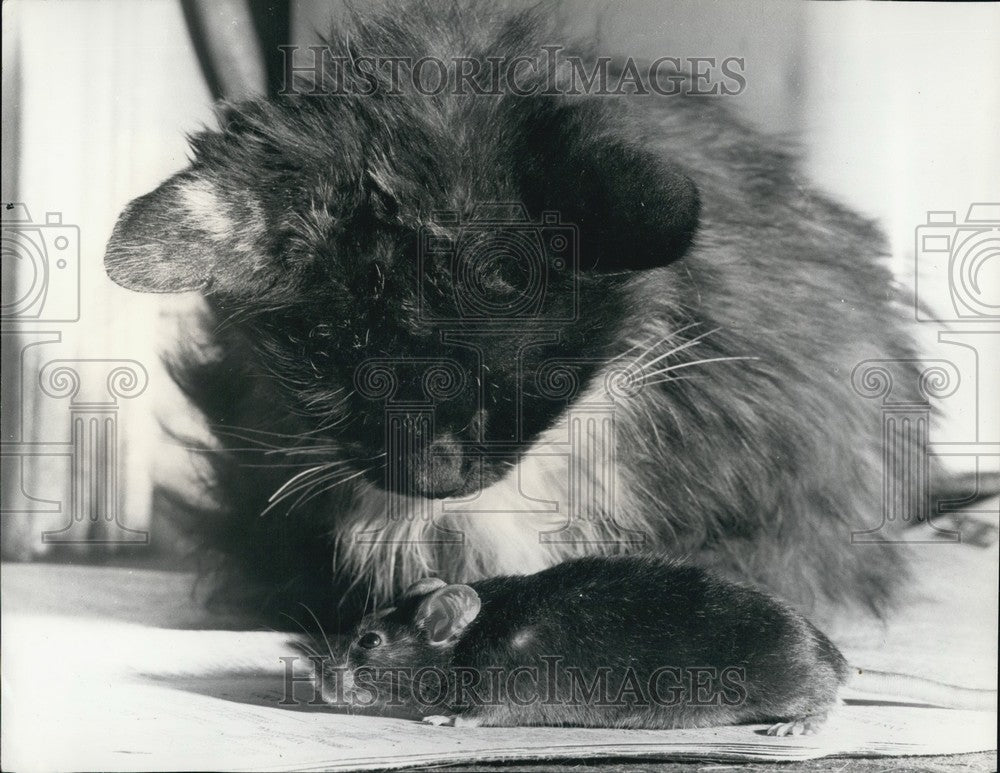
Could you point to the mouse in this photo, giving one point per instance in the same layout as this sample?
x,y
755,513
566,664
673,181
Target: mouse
x,y
634,641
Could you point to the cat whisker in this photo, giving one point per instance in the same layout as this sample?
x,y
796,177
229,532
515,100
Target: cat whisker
x,y
318,487
309,451
652,344
314,488
618,356
304,630
680,348
258,443
277,465
349,477
319,625
692,363
270,433
290,483
368,593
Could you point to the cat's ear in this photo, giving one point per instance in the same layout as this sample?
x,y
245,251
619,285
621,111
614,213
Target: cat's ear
x,y
188,235
634,209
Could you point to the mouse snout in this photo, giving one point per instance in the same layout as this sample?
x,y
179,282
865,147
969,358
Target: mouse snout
x,y
336,683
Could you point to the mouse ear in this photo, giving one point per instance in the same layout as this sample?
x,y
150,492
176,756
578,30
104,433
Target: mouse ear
x,y
423,586
446,612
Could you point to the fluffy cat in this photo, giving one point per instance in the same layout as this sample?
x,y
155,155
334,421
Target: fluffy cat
x,y
407,373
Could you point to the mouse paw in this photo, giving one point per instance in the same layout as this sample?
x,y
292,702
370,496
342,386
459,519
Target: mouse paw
x,y
797,726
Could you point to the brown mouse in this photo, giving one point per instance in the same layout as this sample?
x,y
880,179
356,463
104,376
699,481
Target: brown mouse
x,y
627,641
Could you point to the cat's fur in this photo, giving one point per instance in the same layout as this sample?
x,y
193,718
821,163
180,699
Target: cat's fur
x,y
300,221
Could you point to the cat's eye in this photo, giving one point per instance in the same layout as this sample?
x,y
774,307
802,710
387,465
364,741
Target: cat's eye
x,y
370,641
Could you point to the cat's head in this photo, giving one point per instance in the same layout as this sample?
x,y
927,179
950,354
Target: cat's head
x,y
408,265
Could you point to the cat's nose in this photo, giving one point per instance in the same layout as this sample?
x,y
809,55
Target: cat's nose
x,y
439,469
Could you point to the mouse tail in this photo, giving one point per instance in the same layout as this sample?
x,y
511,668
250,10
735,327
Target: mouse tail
x,y
901,688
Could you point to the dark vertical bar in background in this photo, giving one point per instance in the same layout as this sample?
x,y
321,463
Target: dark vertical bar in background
x,y
272,19
10,132
199,34
11,112
237,41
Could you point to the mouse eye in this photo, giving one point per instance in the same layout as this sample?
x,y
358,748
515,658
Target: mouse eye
x,y
370,641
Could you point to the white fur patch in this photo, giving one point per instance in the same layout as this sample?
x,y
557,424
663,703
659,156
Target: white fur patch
x,y
565,498
214,215
206,209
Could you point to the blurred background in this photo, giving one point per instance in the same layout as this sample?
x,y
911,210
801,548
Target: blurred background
x,y
891,105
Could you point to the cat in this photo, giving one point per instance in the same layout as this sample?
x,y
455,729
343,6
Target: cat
x,y
466,335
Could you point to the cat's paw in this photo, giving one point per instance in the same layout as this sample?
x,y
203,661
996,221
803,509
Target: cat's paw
x,y
798,726
438,720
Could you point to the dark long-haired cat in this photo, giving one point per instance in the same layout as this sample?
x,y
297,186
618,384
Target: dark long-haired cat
x,y
475,333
